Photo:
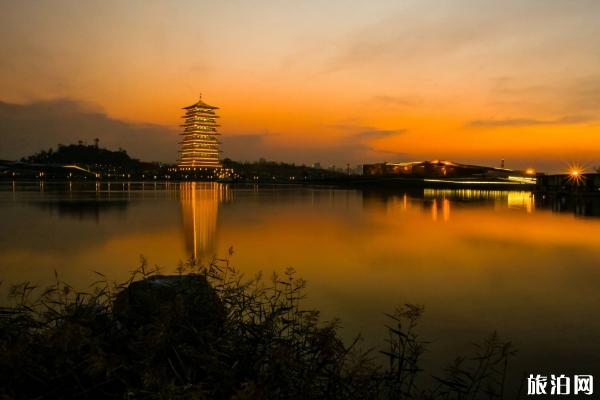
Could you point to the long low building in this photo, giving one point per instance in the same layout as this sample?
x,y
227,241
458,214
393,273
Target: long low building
x,y
443,169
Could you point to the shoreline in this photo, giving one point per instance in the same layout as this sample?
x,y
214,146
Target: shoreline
x,y
352,182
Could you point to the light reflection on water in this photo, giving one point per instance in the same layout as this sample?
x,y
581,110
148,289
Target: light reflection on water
x,y
200,208
478,260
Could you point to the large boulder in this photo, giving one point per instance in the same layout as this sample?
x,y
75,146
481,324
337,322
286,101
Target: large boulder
x,y
171,301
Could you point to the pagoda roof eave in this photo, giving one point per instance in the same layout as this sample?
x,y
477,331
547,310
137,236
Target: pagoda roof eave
x,y
200,104
186,124
214,143
192,141
200,112
192,134
198,126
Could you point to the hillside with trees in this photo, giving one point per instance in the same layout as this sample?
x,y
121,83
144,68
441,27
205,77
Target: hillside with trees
x,y
85,155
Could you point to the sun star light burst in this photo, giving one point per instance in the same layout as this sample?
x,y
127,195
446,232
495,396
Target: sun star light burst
x,y
576,173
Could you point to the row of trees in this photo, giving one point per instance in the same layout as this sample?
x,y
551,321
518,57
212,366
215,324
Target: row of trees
x,y
84,155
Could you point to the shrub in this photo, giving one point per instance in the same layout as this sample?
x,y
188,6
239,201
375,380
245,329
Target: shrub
x,y
209,333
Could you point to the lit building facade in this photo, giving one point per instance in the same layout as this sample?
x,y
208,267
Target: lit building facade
x,y
199,144
441,169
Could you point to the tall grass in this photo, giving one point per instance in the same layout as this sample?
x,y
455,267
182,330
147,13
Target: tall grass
x,y
210,333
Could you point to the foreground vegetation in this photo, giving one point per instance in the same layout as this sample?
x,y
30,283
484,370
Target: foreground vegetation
x,y
209,333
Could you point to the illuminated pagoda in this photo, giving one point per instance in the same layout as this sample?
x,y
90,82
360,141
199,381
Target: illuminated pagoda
x,y
199,144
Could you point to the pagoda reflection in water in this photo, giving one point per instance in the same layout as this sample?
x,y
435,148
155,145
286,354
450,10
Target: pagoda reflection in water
x,y
200,208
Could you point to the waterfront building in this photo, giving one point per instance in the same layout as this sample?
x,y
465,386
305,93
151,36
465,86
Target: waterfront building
x,y
199,145
445,170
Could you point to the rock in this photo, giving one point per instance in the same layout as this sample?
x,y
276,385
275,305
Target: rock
x,y
172,302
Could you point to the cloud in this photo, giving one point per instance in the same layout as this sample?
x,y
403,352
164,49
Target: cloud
x,y
405,101
245,147
577,97
372,134
509,86
354,147
421,32
584,94
29,128
516,122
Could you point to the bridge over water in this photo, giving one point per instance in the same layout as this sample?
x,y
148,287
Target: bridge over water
x,y
22,167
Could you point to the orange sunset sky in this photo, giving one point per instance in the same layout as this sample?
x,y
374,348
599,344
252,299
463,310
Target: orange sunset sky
x,y
307,81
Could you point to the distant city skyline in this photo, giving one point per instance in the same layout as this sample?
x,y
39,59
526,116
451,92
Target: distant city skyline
x,y
473,82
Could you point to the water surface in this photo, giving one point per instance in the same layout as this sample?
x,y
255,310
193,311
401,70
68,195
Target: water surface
x,y
478,260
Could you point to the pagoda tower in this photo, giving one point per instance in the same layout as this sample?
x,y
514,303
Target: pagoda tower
x,y
199,144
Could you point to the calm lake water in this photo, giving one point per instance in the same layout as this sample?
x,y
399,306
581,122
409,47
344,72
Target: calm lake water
x,y
478,260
